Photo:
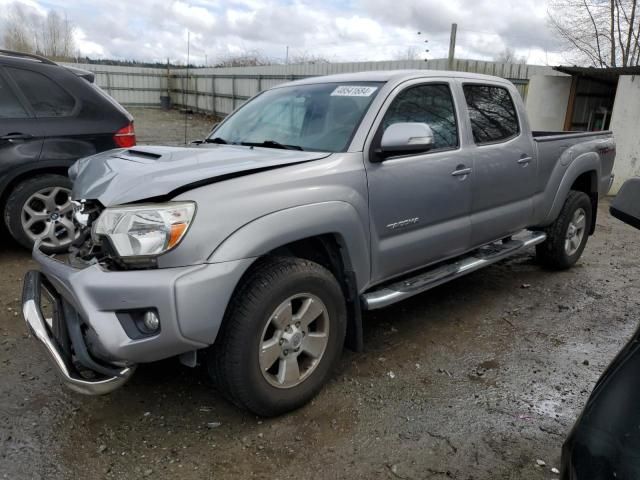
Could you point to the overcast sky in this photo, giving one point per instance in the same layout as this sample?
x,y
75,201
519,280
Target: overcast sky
x,y
349,30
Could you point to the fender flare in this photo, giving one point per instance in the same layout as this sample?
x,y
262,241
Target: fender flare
x,y
282,227
584,163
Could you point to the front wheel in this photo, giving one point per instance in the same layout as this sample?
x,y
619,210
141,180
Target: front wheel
x,y
281,337
567,236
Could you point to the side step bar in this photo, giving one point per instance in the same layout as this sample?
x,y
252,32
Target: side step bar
x,y
482,257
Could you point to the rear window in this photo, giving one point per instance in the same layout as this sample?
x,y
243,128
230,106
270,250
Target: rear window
x,y
10,107
109,99
47,98
492,113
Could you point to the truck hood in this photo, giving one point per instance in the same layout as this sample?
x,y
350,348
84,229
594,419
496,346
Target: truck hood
x,y
129,175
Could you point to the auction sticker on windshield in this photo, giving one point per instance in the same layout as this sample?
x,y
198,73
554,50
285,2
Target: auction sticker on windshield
x,y
353,91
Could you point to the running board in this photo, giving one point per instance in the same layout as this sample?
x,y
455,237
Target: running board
x,y
482,257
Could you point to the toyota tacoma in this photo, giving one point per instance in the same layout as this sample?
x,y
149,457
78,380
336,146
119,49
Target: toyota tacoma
x,y
256,250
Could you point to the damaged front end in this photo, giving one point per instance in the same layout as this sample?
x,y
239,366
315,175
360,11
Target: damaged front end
x,y
65,338
68,339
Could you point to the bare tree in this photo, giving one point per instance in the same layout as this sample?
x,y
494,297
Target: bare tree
x,y
600,33
306,57
56,36
249,58
18,33
29,32
508,55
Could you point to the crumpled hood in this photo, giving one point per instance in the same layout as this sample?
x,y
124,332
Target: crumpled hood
x,y
129,175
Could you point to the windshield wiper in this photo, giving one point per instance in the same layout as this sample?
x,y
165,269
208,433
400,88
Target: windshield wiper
x,y
215,140
272,144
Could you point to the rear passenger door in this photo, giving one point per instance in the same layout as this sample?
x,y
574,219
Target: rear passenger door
x,y
504,163
20,135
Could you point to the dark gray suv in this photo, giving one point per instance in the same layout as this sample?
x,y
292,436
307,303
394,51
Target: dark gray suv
x,y
50,116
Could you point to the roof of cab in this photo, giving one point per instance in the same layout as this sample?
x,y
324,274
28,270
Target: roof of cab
x,y
392,76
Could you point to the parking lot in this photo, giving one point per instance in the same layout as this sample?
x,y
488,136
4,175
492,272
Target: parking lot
x,y
477,379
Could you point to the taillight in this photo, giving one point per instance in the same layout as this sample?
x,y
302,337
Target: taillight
x,y
125,137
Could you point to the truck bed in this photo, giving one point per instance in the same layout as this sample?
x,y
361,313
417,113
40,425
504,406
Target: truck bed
x,y
545,136
552,147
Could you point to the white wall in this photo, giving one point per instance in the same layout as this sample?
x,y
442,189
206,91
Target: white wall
x,y
547,100
625,123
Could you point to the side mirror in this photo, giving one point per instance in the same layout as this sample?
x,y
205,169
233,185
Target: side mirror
x,y
406,138
626,205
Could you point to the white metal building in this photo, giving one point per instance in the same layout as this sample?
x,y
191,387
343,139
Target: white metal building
x,y
591,99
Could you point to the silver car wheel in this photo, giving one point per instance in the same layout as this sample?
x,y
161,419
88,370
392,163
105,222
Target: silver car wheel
x,y
47,215
575,232
294,340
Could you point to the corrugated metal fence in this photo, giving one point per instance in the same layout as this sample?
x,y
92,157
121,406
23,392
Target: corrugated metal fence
x,y
131,86
219,91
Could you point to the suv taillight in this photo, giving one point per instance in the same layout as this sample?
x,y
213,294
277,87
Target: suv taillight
x,y
125,137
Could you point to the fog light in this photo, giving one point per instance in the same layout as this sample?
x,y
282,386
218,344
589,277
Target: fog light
x,y
151,321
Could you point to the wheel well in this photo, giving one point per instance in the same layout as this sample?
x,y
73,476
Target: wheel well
x,y
588,183
24,176
323,249
328,251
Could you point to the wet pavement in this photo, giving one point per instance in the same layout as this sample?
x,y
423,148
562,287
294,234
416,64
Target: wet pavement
x,y
477,379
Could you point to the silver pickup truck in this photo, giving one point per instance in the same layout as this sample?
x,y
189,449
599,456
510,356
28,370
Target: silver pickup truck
x,y
256,250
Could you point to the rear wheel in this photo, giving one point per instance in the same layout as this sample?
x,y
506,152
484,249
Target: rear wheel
x,y
281,337
40,209
568,235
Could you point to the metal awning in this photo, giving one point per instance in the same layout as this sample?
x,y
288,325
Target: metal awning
x,y
609,75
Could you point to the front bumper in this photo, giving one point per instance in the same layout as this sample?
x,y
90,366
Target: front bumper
x,y
189,301
70,376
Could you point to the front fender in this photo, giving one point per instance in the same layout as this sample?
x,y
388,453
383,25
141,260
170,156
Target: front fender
x,y
587,162
289,225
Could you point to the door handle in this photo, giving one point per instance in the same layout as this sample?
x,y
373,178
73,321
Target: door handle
x,y
461,171
16,136
525,160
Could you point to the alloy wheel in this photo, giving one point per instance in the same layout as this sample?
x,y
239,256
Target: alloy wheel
x,y
47,215
294,340
575,232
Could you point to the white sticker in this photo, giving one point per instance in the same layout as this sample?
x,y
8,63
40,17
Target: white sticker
x,y
353,91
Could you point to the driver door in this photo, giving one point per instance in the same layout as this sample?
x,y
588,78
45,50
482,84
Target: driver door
x,y
419,204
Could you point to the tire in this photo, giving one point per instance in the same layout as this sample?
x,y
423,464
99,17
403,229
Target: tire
x,y
30,213
565,242
251,326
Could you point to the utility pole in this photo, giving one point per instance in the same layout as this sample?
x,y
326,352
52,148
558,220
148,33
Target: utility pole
x,y
286,58
185,90
452,44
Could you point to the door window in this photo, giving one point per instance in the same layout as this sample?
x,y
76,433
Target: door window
x,y
492,113
10,107
431,104
47,98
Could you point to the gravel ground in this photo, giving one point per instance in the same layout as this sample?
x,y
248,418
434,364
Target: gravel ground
x,y
154,126
476,379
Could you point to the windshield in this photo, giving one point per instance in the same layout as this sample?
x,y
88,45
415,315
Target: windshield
x,y
320,117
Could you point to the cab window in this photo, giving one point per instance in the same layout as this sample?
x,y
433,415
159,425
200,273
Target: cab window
x,y
431,104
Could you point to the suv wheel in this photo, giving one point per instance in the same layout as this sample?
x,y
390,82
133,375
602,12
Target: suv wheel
x,y
281,337
40,209
568,235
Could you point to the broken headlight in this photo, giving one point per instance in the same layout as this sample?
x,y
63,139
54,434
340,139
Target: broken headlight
x,y
144,230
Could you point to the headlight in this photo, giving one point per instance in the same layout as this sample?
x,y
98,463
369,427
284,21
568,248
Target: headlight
x,y
144,230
